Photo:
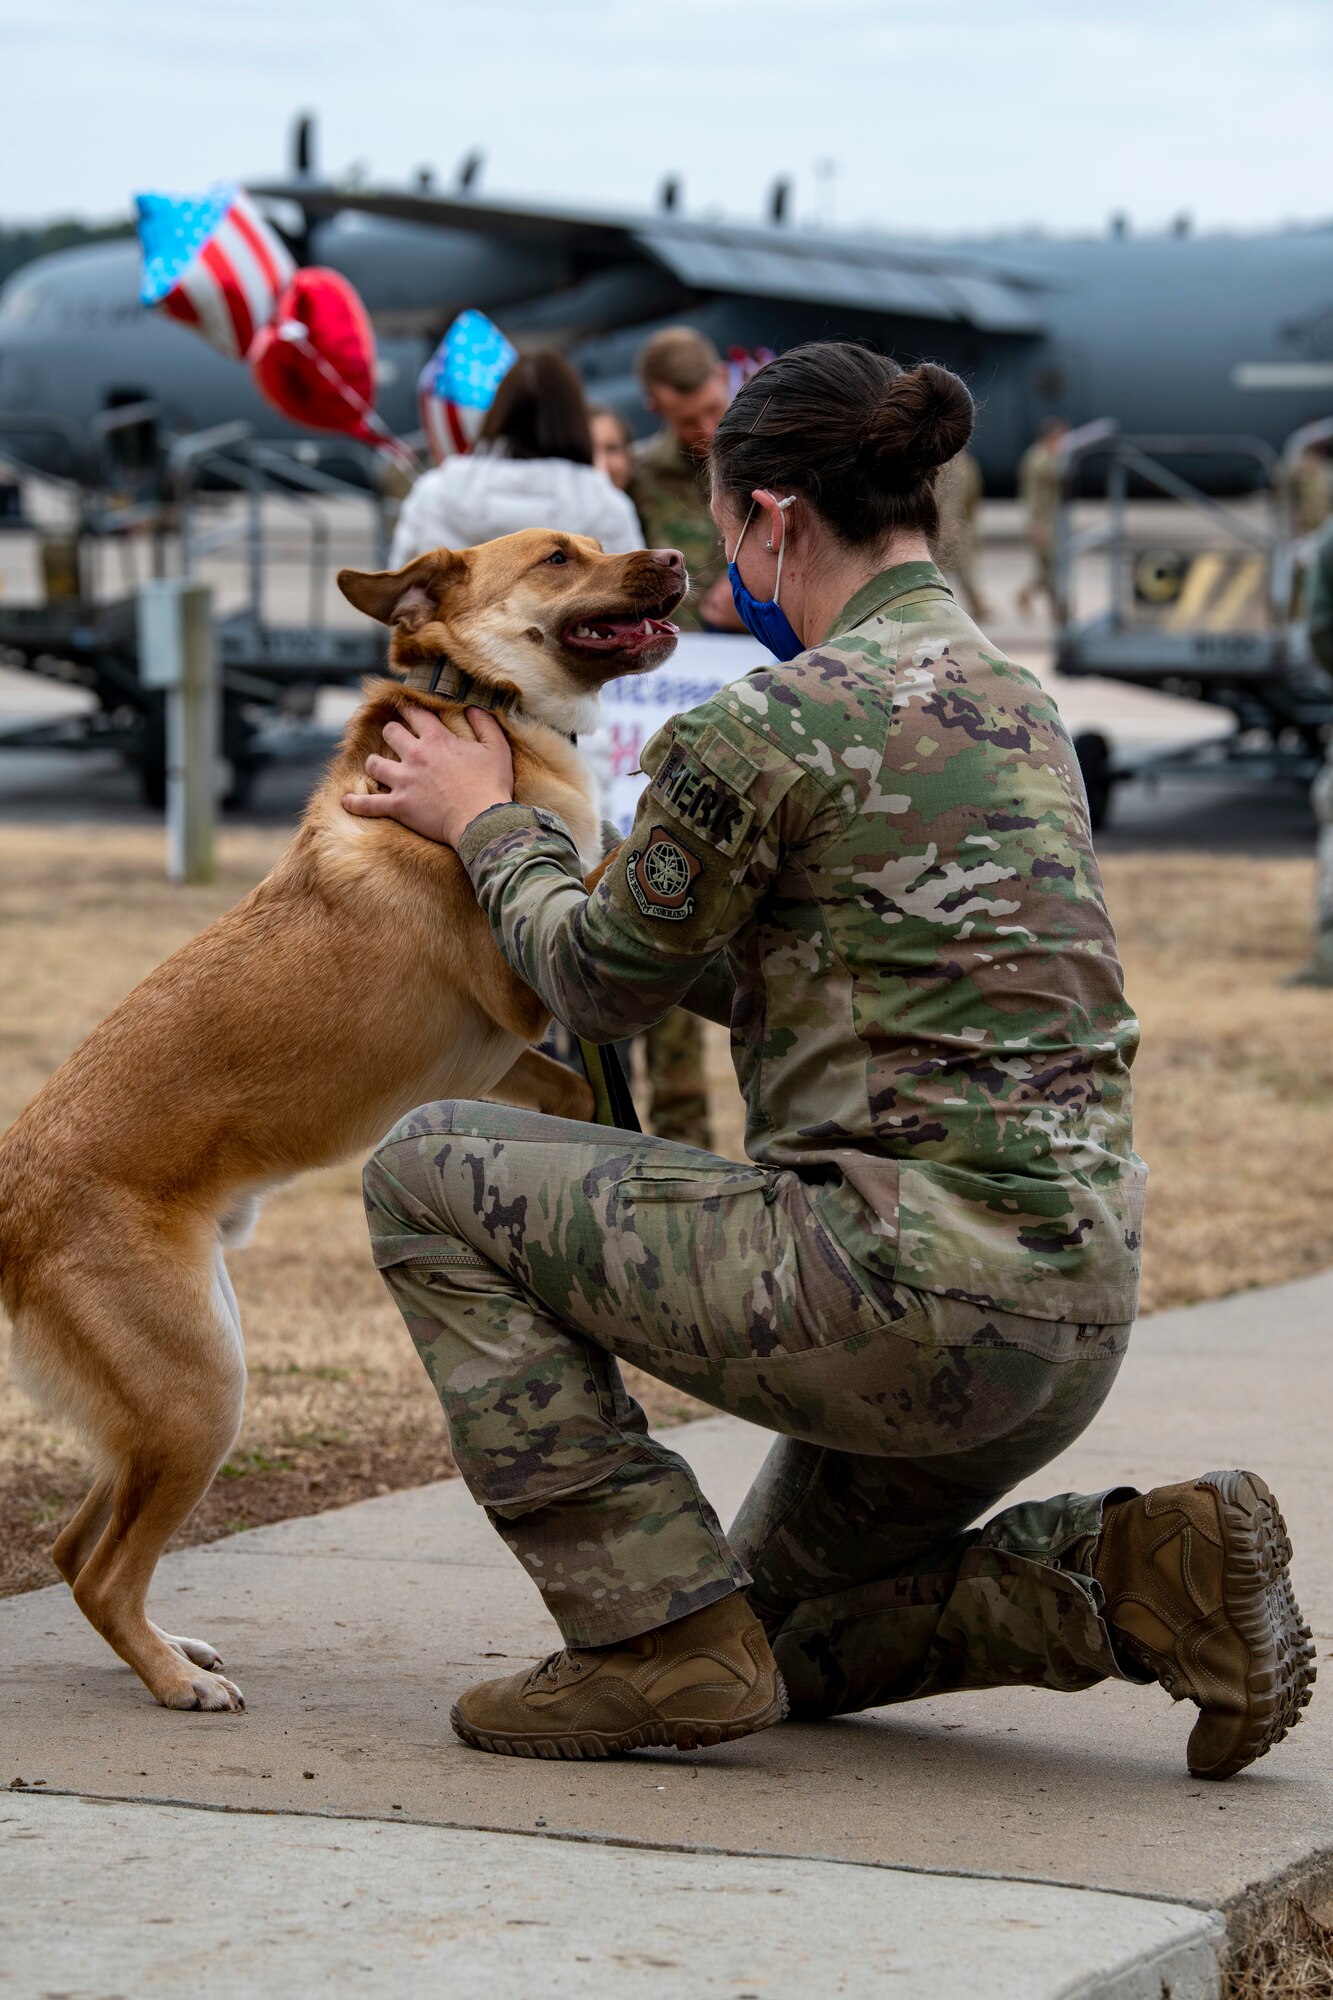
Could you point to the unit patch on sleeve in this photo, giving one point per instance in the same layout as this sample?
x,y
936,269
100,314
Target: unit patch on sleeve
x,y
661,877
702,799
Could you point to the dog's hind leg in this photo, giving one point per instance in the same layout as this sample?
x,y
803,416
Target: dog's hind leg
x,y
74,1543
201,1651
179,1390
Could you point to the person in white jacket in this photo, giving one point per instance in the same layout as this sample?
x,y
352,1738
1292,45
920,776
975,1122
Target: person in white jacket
x,y
531,468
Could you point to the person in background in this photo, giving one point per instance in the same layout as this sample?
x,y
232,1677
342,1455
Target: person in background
x,y
1308,490
958,492
1039,490
673,1050
612,442
685,384
1319,622
532,467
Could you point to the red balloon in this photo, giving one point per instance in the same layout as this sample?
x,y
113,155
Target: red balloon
x,y
316,360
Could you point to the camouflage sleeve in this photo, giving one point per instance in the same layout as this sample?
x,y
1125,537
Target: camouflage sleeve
x,y
713,992
703,849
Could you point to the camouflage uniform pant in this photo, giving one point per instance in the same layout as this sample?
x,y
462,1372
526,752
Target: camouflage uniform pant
x,y
525,1253
677,1085
1322,798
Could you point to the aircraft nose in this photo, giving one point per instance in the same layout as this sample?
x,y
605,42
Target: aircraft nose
x,y
671,559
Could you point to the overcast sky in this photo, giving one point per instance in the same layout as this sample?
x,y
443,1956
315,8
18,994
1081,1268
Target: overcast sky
x,y
940,115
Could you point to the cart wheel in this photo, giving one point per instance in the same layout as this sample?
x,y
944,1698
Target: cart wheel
x,y
239,741
1094,761
151,756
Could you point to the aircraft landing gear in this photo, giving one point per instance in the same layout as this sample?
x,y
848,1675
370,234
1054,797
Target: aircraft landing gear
x,y
240,750
1094,761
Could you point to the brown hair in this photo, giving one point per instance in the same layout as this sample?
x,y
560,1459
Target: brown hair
x,y
677,358
539,412
858,436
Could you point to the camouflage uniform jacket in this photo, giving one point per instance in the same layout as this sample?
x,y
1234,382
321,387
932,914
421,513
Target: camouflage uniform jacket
x,y
669,488
888,838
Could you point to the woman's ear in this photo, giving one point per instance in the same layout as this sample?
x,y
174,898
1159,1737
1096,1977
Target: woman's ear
x,y
774,513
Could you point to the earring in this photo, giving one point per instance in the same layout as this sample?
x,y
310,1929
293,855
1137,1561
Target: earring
x,y
769,547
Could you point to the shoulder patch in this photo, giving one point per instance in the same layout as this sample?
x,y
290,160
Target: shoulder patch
x,y
661,876
702,798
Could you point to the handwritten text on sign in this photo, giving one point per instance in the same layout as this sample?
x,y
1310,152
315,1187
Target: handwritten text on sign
x,y
634,709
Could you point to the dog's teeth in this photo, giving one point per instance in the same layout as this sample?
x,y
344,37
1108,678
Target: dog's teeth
x,y
582,632
648,627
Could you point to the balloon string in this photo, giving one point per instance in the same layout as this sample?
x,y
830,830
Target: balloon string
x,y
386,441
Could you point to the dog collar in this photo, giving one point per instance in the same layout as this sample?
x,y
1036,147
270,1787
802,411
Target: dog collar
x,y
456,685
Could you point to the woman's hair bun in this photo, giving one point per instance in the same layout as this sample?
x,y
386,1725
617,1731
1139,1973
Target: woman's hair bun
x,y
923,419
860,437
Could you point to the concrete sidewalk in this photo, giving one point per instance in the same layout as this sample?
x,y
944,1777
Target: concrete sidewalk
x,y
1015,1842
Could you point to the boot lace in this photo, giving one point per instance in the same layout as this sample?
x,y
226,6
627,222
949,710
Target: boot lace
x,y
550,1671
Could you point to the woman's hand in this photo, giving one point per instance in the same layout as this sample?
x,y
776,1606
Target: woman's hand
x,y
438,781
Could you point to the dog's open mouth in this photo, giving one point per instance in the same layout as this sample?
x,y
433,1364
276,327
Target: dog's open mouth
x,y
618,635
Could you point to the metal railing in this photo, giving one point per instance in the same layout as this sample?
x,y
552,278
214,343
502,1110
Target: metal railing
x,y
1132,457
230,455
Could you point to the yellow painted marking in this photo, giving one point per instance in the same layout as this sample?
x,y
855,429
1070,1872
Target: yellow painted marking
x,y
1205,573
1243,584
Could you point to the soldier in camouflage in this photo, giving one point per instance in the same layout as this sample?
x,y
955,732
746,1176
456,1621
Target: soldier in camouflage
x,y
1319,622
1039,488
685,384
958,496
874,859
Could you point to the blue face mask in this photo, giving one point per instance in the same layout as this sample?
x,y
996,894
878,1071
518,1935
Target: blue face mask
x,y
766,619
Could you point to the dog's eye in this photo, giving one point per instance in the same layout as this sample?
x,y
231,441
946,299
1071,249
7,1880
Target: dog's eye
x,y
557,556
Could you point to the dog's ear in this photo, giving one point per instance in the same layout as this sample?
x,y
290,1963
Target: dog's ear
x,y
410,596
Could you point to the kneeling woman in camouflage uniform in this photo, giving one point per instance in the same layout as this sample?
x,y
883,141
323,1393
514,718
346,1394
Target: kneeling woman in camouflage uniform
x,y
924,1277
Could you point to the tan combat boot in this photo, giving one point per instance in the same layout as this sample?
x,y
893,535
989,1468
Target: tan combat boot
x,y
1197,1593
705,1679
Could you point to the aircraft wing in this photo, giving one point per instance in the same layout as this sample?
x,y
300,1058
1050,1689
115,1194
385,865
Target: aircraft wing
x,y
821,268
916,281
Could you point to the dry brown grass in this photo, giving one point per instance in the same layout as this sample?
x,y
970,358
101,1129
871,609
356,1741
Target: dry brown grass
x,y
1289,1957
1235,1115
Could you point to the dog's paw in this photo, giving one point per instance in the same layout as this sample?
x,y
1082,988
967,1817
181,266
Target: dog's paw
x,y
210,1692
197,1651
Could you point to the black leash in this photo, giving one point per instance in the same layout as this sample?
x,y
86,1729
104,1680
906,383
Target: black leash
x,y
610,1086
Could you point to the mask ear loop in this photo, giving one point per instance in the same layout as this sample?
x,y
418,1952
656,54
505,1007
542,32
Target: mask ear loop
x,y
783,505
741,537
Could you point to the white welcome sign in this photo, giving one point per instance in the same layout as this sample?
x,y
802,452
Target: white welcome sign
x,y
634,709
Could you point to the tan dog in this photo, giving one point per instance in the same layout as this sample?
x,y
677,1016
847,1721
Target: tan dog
x,y
359,979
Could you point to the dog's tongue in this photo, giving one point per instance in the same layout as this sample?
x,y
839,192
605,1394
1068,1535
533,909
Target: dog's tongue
x,y
619,635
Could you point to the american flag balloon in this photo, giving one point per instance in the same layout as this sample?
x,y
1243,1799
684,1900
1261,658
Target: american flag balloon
x,y
457,385
743,362
213,263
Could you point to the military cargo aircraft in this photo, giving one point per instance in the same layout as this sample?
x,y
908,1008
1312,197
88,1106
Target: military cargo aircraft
x,y
1177,332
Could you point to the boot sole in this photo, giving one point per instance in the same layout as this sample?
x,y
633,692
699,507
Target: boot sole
x,y
1262,1606
578,1743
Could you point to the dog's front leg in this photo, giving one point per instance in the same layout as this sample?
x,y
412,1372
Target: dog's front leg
x,y
539,1083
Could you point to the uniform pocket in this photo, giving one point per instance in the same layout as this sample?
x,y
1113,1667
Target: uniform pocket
x,y
731,1263
688,1184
